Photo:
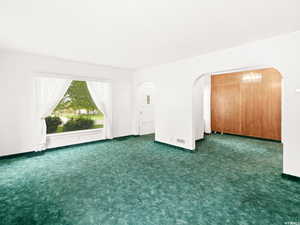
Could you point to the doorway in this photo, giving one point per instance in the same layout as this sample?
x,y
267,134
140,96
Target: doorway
x,y
146,101
247,103
258,112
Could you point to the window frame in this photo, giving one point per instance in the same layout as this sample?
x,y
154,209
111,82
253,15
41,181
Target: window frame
x,y
83,135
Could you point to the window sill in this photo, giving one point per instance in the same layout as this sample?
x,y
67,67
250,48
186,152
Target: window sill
x,y
96,130
74,137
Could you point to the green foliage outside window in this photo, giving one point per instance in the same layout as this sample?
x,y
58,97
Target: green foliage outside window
x,y
77,97
78,124
52,124
75,111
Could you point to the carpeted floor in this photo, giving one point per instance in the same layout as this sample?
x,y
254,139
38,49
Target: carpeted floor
x,y
135,181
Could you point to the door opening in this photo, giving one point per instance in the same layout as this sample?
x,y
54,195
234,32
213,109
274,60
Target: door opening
x,y
146,101
249,104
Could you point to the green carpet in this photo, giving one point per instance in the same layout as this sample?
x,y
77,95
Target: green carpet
x,y
135,181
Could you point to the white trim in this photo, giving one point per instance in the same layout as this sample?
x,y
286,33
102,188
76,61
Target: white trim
x,y
74,132
74,137
242,69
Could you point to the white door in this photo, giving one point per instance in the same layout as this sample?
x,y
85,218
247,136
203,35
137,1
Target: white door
x,y
146,109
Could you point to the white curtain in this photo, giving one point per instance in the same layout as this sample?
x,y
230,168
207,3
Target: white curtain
x,y
101,94
49,91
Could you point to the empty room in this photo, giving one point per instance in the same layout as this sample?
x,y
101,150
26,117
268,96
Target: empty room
x,y
149,112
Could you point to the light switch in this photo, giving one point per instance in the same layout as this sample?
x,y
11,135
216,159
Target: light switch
x,y
298,90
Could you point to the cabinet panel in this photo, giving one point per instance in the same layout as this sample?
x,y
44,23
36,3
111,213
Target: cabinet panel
x,y
271,97
251,104
226,115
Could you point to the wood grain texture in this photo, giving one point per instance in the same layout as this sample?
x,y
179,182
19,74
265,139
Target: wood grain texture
x,y
247,103
226,115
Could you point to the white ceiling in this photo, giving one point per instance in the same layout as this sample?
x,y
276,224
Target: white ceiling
x,y
139,33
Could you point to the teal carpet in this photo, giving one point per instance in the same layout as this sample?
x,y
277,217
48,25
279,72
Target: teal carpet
x,y
135,181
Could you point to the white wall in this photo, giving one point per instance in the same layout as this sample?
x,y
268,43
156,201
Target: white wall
x,y
201,106
198,108
17,95
174,81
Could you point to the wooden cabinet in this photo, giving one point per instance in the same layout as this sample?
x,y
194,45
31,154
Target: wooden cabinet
x,y
247,103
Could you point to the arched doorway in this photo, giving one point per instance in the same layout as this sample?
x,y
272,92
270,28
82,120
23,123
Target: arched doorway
x,y
248,76
145,108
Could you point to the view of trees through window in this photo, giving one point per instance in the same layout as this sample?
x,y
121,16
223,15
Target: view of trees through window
x,y
75,111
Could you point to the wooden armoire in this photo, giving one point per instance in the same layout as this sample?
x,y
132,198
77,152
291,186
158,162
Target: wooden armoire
x,y
247,103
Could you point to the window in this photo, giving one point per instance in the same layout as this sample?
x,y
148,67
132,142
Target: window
x,y
75,111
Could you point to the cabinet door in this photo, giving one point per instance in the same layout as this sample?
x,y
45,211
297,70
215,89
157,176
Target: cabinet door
x,y
225,105
271,101
252,103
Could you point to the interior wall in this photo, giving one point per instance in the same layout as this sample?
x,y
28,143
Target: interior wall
x,y
18,130
201,106
198,108
174,82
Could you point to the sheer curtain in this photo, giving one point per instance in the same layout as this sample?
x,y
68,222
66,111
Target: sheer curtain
x,y
49,92
101,94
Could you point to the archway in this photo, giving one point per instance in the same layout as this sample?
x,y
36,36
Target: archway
x,y
200,86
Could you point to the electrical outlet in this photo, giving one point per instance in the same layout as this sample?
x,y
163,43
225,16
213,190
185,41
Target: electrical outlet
x,y
179,140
